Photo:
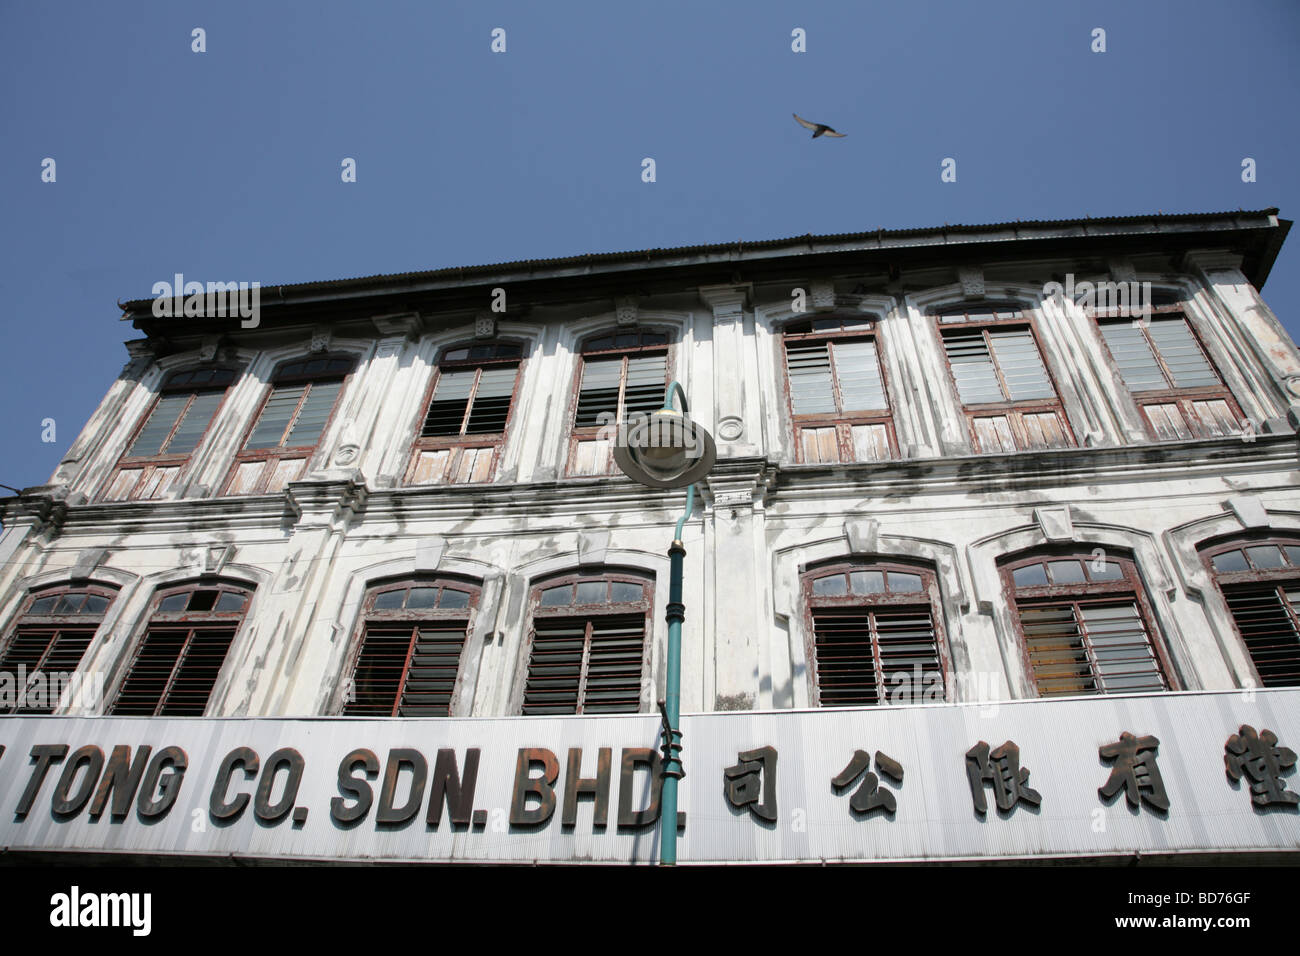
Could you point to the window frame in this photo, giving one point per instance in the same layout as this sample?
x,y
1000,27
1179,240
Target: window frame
x,y
577,435
389,618
271,457
79,624
841,420
945,318
1182,398
1254,578
929,595
1089,592
195,622
644,608
149,465
457,445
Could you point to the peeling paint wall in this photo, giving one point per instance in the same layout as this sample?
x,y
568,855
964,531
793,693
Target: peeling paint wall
x,y
310,552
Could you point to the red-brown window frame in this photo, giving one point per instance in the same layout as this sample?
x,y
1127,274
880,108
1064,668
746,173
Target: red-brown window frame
x,y
149,464
1254,577
415,618
929,595
842,421
644,607
80,624
274,455
1088,592
494,440
192,621
1181,397
591,432
1011,409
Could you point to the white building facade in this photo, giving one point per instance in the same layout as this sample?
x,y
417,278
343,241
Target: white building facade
x,y
956,475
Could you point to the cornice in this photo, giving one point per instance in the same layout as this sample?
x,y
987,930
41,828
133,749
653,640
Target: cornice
x,y
351,501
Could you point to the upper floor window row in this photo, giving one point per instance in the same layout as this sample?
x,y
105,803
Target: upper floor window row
x,y
837,396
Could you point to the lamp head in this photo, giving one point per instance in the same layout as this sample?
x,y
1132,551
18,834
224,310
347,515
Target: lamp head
x,y
665,450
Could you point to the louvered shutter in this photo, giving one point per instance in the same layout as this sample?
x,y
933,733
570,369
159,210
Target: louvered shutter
x,y
50,650
598,392
809,369
275,417
496,388
858,371
450,399
860,651
407,670
1022,367
1181,353
1266,617
313,414
1093,647
174,671
1133,356
585,665
972,367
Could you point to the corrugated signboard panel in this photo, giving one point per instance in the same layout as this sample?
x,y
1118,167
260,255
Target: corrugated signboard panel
x,y
935,818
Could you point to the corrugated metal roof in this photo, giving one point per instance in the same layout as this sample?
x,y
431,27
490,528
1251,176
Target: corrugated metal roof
x,y
740,246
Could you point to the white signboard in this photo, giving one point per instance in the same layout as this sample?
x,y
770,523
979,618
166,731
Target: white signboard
x,y
1056,779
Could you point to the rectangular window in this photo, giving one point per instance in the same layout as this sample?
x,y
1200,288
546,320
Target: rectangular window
x,y
1010,402
997,365
294,416
837,399
176,424
623,375
1178,390
289,426
620,387
464,428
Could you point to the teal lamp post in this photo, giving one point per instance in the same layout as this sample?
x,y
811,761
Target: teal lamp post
x,y
668,450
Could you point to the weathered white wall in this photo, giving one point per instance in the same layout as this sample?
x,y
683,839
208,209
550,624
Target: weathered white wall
x,y
310,552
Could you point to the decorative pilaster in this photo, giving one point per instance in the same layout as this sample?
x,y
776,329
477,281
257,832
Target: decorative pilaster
x,y
735,425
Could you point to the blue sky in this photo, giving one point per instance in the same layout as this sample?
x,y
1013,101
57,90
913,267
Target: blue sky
x,y
225,165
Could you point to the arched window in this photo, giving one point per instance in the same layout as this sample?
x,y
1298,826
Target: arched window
x,y
289,425
1260,580
175,667
836,389
186,405
1085,623
1004,387
874,634
40,657
622,374
466,414
588,648
412,641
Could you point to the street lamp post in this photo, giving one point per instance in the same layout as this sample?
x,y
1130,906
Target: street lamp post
x,y
670,451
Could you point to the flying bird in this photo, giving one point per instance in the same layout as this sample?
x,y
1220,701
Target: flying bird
x,y
817,128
